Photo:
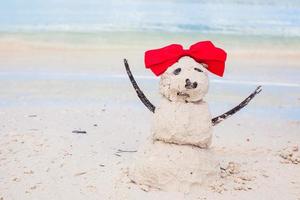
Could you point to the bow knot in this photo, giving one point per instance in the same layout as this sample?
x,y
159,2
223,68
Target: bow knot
x,y
158,60
186,52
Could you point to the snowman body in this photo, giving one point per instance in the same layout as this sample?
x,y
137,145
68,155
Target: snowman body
x,y
176,156
183,123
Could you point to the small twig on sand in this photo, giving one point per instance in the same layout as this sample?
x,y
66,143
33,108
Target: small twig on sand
x,y
222,168
126,151
79,132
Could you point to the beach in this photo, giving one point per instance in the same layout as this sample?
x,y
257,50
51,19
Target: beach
x,y
50,90
42,158
71,123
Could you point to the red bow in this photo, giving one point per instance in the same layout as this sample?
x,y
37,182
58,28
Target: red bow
x,y
158,60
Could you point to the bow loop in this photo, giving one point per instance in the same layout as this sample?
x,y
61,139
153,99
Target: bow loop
x,y
158,60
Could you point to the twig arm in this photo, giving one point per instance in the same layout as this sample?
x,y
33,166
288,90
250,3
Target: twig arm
x,y
229,113
137,89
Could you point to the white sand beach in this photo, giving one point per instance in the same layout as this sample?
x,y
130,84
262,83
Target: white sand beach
x,y
42,159
48,90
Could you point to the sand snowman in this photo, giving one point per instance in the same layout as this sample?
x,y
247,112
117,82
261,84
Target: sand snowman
x,y
177,155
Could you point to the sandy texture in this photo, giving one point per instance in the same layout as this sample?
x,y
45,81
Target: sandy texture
x,y
233,177
42,159
183,123
171,167
172,160
290,155
182,116
173,85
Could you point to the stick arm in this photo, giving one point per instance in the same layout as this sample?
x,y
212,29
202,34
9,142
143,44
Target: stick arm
x,y
137,89
229,113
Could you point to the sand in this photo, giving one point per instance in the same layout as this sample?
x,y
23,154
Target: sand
x,y
183,123
174,168
41,157
170,84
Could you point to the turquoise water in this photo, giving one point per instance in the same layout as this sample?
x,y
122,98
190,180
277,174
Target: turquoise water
x,y
269,17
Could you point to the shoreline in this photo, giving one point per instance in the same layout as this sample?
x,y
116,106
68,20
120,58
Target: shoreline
x,y
69,76
120,39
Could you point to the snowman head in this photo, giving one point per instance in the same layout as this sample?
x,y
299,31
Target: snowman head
x,y
184,81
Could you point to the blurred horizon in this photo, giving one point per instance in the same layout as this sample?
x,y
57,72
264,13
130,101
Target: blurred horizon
x,y
233,17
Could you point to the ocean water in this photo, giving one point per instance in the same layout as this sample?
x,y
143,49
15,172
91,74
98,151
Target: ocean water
x,y
255,17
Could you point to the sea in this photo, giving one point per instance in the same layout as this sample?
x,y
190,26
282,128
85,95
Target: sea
x,y
253,17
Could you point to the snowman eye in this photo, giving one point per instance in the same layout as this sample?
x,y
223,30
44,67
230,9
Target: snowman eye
x,y
177,71
197,69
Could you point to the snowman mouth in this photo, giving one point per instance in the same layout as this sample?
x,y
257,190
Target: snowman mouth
x,y
182,94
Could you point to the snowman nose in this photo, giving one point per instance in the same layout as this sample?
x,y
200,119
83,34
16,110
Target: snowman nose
x,y
189,84
195,84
